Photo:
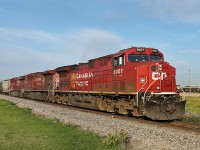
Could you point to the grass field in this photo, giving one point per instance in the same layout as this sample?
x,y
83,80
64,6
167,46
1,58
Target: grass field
x,y
192,110
21,130
193,104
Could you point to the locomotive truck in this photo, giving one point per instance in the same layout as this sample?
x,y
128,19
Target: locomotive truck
x,y
135,81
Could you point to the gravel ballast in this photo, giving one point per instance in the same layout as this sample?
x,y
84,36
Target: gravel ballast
x,y
142,136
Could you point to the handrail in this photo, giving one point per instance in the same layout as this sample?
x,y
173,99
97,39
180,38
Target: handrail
x,y
183,93
141,89
148,88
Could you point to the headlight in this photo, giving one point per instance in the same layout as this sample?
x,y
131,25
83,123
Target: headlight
x,y
160,67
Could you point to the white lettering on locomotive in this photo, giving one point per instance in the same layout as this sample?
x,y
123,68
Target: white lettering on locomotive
x,y
81,83
158,75
118,71
38,79
84,75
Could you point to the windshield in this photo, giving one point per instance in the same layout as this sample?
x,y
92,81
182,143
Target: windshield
x,y
156,58
137,57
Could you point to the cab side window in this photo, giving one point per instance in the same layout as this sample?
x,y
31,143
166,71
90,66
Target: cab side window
x,y
118,61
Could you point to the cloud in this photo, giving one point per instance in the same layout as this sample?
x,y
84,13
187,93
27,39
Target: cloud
x,y
35,35
96,43
186,11
190,51
25,51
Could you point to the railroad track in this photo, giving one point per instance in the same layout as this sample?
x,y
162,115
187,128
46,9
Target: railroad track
x,y
179,125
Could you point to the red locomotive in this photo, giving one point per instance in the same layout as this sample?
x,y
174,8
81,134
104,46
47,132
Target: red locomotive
x,y
135,81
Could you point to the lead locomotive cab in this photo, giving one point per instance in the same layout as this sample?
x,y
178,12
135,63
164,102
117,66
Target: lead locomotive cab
x,y
154,83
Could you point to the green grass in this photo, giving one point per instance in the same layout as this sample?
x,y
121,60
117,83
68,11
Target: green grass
x,y
193,104
192,110
21,130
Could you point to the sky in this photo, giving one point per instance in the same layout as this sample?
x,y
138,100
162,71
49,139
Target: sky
x,y
39,35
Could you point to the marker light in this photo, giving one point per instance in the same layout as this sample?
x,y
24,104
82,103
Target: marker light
x,y
160,67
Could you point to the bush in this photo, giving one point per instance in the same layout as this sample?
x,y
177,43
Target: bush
x,y
192,118
117,138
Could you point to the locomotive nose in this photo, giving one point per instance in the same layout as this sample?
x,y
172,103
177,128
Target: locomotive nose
x,y
168,109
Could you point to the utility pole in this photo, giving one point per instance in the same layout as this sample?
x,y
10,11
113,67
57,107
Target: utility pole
x,y
189,83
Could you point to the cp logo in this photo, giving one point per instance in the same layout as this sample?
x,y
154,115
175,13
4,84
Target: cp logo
x,y
158,75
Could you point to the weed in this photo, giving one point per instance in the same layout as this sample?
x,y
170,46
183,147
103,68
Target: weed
x,y
192,118
117,138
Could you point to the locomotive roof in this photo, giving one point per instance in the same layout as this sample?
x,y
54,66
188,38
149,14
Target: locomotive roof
x,y
121,52
21,78
101,57
66,68
30,74
48,72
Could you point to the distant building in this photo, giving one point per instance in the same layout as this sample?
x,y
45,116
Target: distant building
x,y
192,88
